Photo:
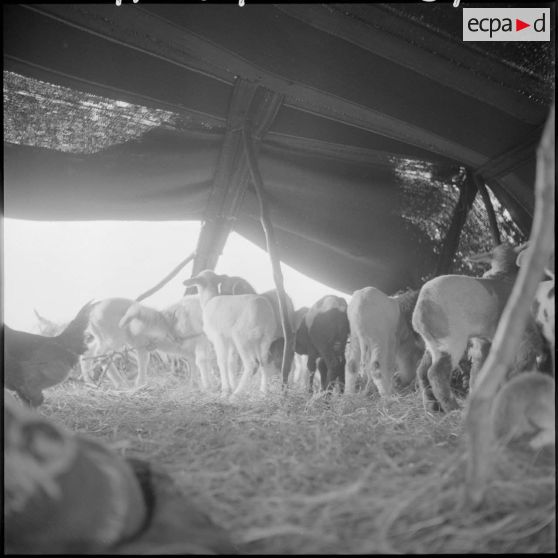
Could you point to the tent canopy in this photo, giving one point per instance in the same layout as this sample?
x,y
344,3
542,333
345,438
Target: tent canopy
x,y
375,128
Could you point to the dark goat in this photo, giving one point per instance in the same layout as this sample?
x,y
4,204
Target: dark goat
x,y
322,335
35,362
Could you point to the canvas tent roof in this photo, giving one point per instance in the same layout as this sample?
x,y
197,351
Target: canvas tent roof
x,y
369,121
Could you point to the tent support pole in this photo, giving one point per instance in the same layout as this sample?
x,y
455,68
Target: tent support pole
x,y
468,191
288,334
489,208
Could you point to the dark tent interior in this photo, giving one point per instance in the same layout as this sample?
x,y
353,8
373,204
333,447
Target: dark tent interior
x,y
377,130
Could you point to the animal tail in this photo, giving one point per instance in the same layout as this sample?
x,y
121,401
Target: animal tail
x,y
73,336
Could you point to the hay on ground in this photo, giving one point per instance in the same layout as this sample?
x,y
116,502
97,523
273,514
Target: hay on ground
x,y
294,474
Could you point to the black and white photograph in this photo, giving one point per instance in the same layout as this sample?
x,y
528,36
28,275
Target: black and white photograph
x,y
278,279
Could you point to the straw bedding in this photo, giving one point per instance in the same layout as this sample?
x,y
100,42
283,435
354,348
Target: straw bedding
x,y
295,475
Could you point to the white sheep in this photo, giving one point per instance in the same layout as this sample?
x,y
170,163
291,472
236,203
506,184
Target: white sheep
x,y
186,320
451,310
382,339
243,323
118,323
234,285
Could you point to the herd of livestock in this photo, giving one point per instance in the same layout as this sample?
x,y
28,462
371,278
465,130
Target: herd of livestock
x,y
66,493
382,342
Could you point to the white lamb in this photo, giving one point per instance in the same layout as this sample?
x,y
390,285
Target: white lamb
x,y
116,323
382,339
243,323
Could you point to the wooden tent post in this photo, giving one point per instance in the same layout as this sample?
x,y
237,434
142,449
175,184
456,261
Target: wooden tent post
x,y
478,428
288,334
489,208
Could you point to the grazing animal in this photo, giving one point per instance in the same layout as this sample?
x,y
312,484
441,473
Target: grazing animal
x,y
36,362
382,339
149,328
322,335
116,323
243,323
234,285
451,310
300,372
278,343
525,406
186,320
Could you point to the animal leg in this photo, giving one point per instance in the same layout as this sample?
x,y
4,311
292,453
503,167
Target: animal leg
x,y
267,370
249,367
203,364
86,367
141,377
352,365
335,370
311,365
323,370
115,376
232,366
478,352
376,367
221,352
407,362
439,376
428,398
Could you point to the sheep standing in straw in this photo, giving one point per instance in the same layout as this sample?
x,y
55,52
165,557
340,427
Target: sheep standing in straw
x,y
382,340
245,323
451,310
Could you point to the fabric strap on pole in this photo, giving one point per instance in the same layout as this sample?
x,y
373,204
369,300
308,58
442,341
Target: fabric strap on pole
x,y
288,334
166,279
479,181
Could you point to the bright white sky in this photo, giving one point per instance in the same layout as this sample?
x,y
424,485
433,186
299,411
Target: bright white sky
x,y
57,267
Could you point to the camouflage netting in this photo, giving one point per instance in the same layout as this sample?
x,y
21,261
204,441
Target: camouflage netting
x,y
533,59
428,203
40,114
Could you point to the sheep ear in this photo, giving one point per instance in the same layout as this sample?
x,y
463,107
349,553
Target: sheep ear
x,y
193,281
521,248
221,278
483,257
520,258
